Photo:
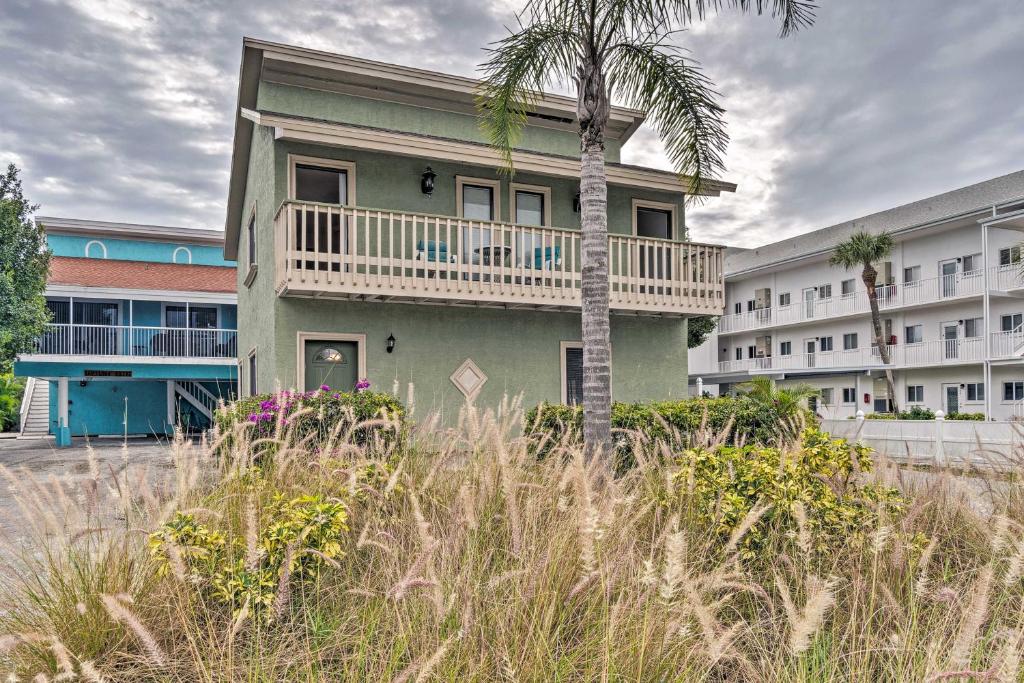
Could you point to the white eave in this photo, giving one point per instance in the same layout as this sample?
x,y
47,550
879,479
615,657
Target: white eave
x,y
61,290
151,233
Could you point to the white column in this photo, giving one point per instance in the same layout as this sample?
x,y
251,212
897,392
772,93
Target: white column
x,y
986,326
62,402
170,404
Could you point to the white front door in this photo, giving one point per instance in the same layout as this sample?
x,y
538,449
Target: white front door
x,y
951,398
809,302
947,282
949,334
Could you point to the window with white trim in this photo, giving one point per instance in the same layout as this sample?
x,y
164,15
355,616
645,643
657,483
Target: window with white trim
x,y
825,291
914,334
972,264
786,348
974,327
847,287
1009,256
825,343
975,392
849,395
911,274
252,373
784,299
827,396
1010,322
1013,391
849,341
915,393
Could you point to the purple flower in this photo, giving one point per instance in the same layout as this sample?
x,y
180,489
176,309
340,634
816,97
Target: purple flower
x,y
363,384
324,387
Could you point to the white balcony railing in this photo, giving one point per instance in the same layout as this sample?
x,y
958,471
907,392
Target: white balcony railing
x,y
922,354
889,297
358,253
129,340
1007,344
1007,278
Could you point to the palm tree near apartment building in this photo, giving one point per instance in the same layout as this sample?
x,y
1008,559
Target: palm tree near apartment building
x,y
865,250
606,49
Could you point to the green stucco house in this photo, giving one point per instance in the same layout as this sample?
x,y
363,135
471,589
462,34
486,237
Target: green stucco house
x,y
377,238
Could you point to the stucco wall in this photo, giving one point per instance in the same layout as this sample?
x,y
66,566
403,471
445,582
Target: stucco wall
x,y
136,250
519,351
328,106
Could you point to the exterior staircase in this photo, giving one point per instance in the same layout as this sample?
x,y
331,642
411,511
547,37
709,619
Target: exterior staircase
x,y
35,410
198,396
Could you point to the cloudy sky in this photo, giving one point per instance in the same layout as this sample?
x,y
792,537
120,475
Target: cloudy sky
x,y
122,109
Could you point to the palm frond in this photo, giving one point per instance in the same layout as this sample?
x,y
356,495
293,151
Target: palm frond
x,y
794,14
516,72
862,248
655,77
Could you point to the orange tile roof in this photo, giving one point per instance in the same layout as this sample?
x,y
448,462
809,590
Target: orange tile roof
x,y
181,277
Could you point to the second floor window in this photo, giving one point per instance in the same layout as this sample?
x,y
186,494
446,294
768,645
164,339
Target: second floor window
x,y
911,274
913,334
847,287
784,299
252,373
250,236
974,327
195,317
321,184
972,264
849,341
653,222
478,202
786,348
1009,255
825,344
1009,323
825,291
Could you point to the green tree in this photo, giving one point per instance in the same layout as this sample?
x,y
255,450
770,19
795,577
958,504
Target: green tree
x,y
621,49
864,250
698,329
789,403
24,265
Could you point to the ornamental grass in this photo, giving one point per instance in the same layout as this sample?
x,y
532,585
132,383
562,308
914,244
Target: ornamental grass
x,y
456,554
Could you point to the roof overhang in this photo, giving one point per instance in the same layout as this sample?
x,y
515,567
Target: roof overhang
x,y
149,233
59,290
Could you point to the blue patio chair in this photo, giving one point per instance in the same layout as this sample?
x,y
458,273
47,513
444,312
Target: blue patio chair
x,y
433,252
547,261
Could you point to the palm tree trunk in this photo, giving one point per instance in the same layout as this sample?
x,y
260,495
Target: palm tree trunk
x,y
597,389
593,110
870,277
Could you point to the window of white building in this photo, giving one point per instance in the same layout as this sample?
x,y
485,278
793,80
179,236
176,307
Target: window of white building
x,y
825,291
1009,255
915,393
786,348
784,299
847,287
975,392
825,344
974,327
849,341
827,397
1009,323
1013,391
849,395
972,264
911,274
914,334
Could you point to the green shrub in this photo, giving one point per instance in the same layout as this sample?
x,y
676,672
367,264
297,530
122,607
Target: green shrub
x,y
722,485
741,419
314,416
917,413
968,417
304,532
11,389
881,416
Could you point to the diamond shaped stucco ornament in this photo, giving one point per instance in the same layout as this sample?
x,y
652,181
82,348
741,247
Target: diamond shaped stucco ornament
x,y
469,379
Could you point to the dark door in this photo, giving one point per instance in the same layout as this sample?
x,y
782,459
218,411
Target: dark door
x,y
574,376
655,260
331,363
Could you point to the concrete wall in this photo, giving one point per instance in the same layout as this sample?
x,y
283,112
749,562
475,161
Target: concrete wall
x,y
338,107
519,351
136,250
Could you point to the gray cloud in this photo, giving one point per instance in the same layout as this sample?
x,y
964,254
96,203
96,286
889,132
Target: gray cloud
x,y
122,109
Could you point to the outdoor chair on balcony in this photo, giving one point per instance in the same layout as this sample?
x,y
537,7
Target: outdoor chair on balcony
x,y
544,259
433,252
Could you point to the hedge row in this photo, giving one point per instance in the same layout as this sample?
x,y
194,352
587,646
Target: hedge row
x,y
314,416
739,419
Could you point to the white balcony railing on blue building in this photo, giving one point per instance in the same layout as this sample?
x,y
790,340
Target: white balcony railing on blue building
x,y
129,340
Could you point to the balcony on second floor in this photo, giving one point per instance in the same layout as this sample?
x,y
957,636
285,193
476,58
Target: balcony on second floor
x,y
70,340
926,292
365,254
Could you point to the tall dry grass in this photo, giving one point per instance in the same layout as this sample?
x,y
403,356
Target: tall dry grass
x,y
471,560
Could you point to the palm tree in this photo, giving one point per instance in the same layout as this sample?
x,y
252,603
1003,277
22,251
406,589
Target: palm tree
x,y
622,49
790,403
864,249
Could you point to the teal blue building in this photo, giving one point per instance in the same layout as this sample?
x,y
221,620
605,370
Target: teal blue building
x,y
142,337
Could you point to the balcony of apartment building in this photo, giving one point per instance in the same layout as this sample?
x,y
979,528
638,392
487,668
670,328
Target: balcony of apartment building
x,y
130,330
369,254
817,303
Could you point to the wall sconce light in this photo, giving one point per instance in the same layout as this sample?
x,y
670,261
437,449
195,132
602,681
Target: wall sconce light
x,y
391,343
427,181
83,383
576,203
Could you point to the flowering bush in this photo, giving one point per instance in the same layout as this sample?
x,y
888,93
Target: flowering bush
x,y
316,415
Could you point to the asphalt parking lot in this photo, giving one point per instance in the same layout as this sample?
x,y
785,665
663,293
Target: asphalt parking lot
x,y
26,459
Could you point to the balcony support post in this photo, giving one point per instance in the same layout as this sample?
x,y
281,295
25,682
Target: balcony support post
x,y
63,431
170,407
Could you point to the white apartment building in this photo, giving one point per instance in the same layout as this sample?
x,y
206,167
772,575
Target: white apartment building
x,y
951,297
